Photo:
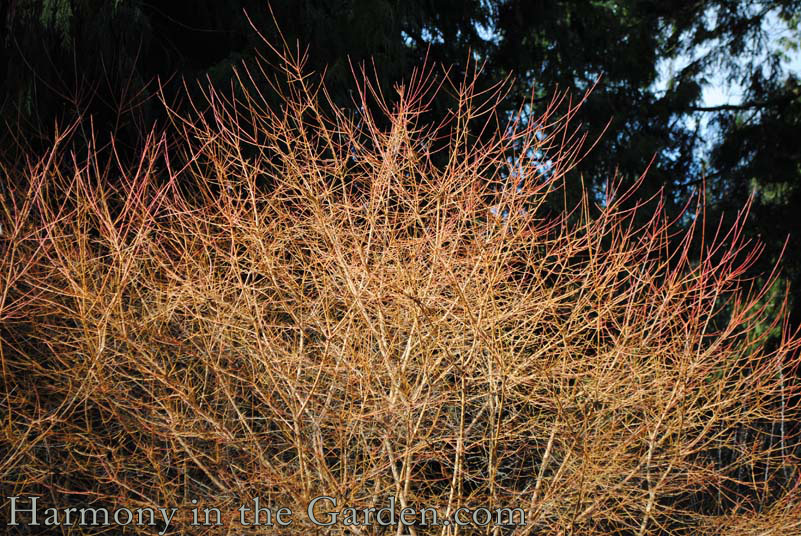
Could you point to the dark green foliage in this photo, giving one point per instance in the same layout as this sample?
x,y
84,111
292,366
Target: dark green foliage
x,y
68,58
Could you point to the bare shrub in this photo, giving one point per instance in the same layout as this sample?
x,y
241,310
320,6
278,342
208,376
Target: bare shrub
x,y
294,302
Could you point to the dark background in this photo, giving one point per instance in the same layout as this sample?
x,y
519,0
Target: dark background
x,y
104,60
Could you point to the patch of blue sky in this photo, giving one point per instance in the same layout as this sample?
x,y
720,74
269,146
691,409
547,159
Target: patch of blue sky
x,y
721,88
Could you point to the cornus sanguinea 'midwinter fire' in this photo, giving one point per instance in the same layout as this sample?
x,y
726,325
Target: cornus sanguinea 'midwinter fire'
x,y
258,308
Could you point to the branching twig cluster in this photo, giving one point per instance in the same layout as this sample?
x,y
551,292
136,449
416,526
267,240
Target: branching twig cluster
x,y
294,302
